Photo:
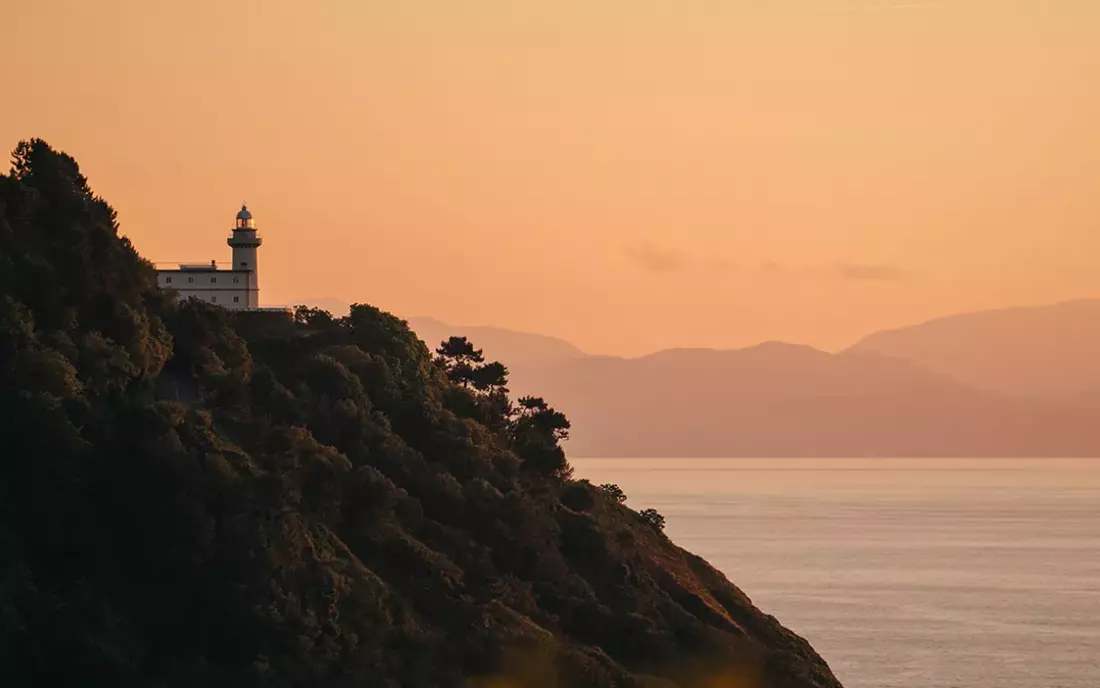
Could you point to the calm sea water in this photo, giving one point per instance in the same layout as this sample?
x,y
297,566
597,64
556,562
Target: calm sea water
x,y
901,573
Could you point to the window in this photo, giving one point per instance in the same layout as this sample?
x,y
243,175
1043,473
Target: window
x,y
244,264
213,280
236,280
213,299
236,299
190,279
168,280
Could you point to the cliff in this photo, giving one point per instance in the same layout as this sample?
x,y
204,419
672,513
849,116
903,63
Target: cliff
x,y
193,497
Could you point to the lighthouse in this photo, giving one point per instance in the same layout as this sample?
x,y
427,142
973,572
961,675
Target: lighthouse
x,y
245,243
235,288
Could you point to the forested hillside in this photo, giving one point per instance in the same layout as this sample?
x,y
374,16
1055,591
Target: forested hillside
x,y
194,497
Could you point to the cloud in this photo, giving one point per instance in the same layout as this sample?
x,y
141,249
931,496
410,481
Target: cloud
x,y
656,259
665,260
871,271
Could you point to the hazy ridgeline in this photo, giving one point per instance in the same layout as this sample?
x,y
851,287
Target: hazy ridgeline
x,y
1016,382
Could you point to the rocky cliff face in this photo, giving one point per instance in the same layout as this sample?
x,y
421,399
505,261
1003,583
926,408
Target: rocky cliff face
x,y
192,497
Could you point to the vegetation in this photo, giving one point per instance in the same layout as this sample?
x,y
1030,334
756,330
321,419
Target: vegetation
x,y
613,492
196,497
652,518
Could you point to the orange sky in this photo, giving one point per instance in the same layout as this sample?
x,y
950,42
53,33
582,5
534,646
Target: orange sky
x,y
627,174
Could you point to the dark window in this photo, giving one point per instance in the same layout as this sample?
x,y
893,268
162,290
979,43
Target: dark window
x,y
213,280
236,280
236,299
244,264
213,299
190,279
168,280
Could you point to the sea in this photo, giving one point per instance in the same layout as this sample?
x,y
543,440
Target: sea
x,y
906,573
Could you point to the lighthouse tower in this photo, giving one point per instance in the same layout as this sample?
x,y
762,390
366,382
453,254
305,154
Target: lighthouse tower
x,y
245,242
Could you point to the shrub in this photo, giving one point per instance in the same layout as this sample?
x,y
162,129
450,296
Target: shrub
x,y
613,492
653,519
578,496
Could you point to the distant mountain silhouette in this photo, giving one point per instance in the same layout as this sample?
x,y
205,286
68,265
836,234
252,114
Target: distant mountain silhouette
x,y
1049,351
1013,382
514,349
785,400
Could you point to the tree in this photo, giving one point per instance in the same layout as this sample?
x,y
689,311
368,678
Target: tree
x,y
457,356
653,519
313,317
613,492
536,431
490,378
534,413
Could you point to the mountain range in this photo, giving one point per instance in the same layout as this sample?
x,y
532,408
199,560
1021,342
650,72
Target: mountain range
x,y
516,349
1047,351
1009,382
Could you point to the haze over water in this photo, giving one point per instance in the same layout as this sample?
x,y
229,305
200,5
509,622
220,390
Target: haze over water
x,y
960,573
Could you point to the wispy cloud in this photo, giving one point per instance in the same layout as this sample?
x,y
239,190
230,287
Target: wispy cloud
x,y
662,259
655,258
667,260
871,271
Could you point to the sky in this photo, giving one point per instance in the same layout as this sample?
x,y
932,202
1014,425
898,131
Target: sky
x,y
629,175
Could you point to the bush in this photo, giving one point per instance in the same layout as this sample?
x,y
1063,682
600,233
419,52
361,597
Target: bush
x,y
653,519
578,496
613,492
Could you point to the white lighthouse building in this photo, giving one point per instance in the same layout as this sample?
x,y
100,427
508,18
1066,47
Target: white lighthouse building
x,y
236,287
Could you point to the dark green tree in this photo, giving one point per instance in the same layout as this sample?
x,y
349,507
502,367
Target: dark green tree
x,y
536,431
613,492
458,357
653,519
490,378
533,413
313,317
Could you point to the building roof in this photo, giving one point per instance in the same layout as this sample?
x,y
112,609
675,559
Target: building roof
x,y
201,268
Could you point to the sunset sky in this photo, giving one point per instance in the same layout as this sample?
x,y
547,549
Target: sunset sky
x,y
627,174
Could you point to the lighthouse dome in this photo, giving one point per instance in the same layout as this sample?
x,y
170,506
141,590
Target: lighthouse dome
x,y
244,218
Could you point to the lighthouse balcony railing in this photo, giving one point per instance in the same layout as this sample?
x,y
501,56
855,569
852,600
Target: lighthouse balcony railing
x,y
170,266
